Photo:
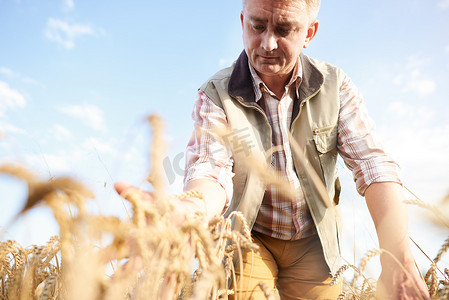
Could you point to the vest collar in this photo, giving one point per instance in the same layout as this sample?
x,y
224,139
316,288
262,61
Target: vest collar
x,y
241,85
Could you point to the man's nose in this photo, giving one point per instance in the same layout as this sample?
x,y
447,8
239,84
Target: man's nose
x,y
269,41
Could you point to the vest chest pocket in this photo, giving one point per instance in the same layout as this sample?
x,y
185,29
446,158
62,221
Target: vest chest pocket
x,y
325,139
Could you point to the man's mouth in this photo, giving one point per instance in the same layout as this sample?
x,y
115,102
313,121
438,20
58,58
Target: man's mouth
x,y
268,57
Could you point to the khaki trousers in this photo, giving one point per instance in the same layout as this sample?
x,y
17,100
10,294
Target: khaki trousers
x,y
288,269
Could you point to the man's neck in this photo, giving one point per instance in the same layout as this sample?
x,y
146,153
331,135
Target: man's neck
x,y
276,84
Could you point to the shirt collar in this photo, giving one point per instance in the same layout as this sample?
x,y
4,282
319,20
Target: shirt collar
x,y
259,85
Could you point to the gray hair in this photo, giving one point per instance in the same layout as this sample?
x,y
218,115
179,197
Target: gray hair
x,y
312,5
314,8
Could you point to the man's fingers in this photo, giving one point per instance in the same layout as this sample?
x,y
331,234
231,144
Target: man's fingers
x,y
121,186
402,288
125,189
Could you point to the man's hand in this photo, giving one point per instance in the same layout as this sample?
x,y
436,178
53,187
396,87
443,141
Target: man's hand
x,y
386,204
395,283
181,207
123,188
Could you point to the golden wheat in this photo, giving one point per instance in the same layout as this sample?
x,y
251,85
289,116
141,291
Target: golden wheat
x,y
150,255
146,256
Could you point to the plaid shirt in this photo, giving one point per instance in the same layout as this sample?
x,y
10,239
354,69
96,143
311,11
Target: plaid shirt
x,y
207,156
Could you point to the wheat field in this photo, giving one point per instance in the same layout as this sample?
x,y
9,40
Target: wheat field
x,y
147,256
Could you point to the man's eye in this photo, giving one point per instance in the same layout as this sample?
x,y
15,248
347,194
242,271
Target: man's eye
x,y
284,31
258,27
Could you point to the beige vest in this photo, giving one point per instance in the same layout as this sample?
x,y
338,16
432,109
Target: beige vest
x,y
314,128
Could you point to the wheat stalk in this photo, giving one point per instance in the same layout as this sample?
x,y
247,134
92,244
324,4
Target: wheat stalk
x,y
149,254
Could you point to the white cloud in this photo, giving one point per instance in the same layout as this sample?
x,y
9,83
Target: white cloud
x,y
47,163
413,80
11,74
7,128
421,86
9,98
57,163
446,49
416,62
398,80
32,81
8,72
61,133
415,136
100,146
68,5
418,149
400,109
443,4
91,115
64,33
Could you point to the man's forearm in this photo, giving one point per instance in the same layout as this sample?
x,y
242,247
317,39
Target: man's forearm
x,y
389,214
214,198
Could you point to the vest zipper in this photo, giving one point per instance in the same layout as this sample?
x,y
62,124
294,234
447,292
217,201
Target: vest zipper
x,y
256,108
241,100
301,105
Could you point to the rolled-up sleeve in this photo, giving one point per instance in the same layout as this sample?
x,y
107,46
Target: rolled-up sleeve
x,y
358,143
207,155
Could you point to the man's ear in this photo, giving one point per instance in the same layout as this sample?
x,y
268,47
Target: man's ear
x,y
241,18
311,32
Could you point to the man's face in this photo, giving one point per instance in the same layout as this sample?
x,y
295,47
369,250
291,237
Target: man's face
x,y
274,33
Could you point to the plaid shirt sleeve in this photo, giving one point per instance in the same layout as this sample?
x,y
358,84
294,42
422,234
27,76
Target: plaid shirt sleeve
x,y
207,156
358,144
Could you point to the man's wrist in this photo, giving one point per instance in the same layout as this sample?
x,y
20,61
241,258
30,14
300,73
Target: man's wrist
x,y
395,259
193,205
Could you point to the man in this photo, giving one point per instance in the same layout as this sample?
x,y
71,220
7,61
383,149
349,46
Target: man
x,y
271,91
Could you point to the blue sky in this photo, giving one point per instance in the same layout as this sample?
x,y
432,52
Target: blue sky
x,y
78,78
